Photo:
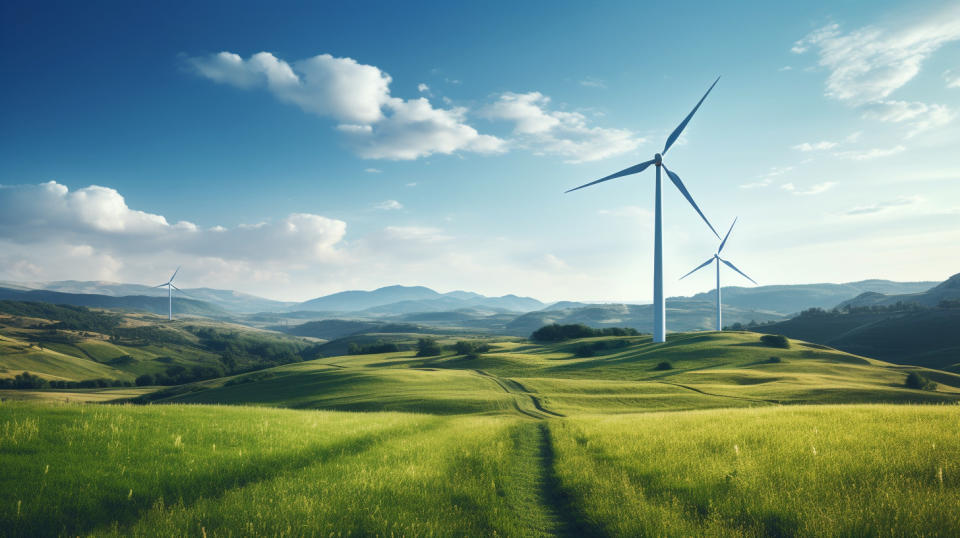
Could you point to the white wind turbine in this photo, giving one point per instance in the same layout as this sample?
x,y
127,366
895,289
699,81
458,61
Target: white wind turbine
x,y
659,305
170,288
716,258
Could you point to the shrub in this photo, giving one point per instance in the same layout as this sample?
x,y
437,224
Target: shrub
x,y
471,349
665,365
775,340
774,360
557,333
918,382
428,347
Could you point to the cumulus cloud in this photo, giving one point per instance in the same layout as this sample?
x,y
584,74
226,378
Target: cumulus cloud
x,y
919,116
870,63
423,88
415,129
358,96
553,132
99,219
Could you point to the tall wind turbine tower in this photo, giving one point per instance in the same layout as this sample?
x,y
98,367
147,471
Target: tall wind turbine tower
x,y
716,258
659,305
170,288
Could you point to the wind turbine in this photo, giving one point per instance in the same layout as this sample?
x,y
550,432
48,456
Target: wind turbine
x,y
659,307
716,258
170,288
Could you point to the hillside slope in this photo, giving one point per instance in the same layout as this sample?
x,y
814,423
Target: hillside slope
x,y
929,338
707,370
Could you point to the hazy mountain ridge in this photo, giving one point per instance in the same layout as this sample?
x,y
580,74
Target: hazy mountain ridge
x,y
949,290
136,303
231,300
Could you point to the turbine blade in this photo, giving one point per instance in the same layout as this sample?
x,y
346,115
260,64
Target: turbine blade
x,y
635,169
730,265
699,267
683,190
161,285
676,132
175,273
724,242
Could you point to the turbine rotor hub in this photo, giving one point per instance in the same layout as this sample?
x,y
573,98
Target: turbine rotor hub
x,y
658,159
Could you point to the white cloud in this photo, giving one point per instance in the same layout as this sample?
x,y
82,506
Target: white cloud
x,y
920,116
411,184
358,96
757,184
423,88
551,132
388,205
372,170
415,129
425,234
785,68
952,77
870,63
99,218
593,82
815,146
881,207
813,190
868,154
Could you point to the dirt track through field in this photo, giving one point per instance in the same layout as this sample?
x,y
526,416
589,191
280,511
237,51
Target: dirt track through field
x,y
523,401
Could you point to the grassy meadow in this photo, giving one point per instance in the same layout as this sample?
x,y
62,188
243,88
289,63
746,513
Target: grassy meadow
x,y
593,437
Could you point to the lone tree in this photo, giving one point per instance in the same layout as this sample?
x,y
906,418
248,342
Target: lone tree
x,y
428,347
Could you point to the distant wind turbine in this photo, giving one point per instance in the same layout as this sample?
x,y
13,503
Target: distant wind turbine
x,y
716,258
659,307
170,288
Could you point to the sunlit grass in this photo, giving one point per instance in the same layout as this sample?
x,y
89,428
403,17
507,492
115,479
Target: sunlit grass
x,y
810,471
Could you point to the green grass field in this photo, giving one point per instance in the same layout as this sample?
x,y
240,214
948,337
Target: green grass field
x,y
176,470
524,440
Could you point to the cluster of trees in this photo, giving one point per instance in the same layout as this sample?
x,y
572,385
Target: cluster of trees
x,y
746,326
471,349
178,375
428,347
558,333
377,347
67,317
26,380
241,349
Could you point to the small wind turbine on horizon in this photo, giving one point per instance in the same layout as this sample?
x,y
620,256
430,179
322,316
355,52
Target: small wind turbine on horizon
x,y
659,305
716,258
170,288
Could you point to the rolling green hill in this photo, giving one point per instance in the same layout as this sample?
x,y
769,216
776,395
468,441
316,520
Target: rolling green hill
x,y
69,343
707,370
929,337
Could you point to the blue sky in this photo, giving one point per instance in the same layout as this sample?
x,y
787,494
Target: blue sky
x,y
298,150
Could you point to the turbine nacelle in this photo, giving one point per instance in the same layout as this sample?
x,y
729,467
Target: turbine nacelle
x,y
658,159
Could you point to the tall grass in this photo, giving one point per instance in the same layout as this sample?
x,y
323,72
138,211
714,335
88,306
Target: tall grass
x,y
865,470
